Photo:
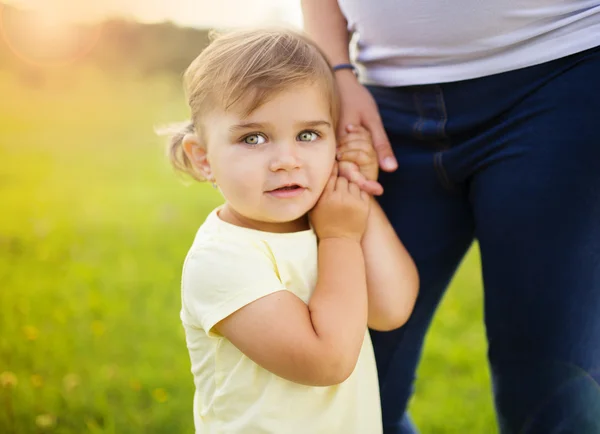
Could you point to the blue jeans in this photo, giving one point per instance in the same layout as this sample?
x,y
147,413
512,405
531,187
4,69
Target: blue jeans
x,y
512,160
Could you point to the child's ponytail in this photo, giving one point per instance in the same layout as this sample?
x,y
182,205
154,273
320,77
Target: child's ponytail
x,y
176,154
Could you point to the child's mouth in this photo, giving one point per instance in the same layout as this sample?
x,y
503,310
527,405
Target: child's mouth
x,y
287,191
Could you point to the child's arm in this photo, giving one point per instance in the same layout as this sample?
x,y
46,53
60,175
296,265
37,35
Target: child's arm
x,y
318,344
392,278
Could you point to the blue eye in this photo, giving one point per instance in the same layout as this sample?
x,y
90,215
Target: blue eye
x,y
254,139
307,136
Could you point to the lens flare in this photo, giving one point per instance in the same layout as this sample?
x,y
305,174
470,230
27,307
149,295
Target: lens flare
x,y
44,37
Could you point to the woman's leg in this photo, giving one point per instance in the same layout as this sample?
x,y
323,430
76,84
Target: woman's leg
x,y
531,159
433,221
538,224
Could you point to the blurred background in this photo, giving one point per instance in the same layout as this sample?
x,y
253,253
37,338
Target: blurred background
x,y
94,225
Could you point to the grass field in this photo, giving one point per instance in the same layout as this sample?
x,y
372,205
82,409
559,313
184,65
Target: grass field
x,y
94,226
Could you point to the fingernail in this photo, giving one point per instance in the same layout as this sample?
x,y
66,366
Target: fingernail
x,y
390,163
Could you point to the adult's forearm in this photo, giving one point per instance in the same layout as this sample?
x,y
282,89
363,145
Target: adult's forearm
x,y
326,25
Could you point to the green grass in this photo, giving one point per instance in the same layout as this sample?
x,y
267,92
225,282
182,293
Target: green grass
x,y
94,226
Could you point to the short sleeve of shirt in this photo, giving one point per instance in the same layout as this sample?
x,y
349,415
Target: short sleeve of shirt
x,y
222,275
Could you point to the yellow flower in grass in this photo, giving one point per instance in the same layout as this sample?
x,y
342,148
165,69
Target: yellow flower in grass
x,y
37,381
160,395
31,333
45,421
8,380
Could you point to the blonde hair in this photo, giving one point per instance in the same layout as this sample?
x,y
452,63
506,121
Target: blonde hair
x,y
242,70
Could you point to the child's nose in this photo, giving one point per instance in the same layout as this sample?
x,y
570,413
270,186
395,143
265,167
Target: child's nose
x,y
286,158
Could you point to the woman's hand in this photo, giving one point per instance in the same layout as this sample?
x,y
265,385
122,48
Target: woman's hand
x,y
359,108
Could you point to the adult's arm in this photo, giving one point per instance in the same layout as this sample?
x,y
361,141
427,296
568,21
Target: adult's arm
x,y
326,25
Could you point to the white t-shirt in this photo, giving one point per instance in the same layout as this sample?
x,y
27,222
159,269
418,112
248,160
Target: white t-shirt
x,y
405,42
227,268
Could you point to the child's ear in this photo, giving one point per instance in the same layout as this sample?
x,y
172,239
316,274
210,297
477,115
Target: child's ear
x,y
196,152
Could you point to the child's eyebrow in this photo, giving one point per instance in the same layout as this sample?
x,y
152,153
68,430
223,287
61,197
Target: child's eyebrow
x,y
319,123
247,126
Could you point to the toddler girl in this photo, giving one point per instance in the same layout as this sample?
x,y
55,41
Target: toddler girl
x,y
283,279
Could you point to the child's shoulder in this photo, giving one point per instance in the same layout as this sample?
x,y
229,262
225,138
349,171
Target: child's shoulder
x,y
215,236
220,264
218,246
225,248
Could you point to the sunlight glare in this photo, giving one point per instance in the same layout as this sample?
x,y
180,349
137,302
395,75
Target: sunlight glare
x,y
45,36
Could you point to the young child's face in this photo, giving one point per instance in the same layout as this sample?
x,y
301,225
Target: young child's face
x,y
272,165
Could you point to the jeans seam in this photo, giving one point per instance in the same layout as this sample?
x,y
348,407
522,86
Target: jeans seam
x,y
441,172
442,107
420,121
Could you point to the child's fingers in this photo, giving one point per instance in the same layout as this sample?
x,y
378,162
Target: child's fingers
x,y
355,141
357,132
372,187
354,189
335,170
351,172
341,184
330,186
356,156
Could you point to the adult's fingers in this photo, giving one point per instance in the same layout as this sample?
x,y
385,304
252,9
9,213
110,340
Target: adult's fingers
x,y
382,146
347,117
357,130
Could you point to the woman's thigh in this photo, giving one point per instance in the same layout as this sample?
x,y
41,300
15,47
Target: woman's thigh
x,y
434,223
536,205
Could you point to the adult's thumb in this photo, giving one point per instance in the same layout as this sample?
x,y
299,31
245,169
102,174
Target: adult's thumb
x,y
385,154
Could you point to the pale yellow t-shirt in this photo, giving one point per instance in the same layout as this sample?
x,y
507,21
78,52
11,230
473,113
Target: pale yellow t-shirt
x,y
227,268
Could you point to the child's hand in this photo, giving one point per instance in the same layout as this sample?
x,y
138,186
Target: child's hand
x,y
358,159
341,211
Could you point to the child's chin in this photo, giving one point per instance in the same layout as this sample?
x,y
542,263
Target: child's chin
x,y
289,216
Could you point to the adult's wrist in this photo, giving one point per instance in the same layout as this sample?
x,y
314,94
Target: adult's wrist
x,y
346,75
345,66
343,69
